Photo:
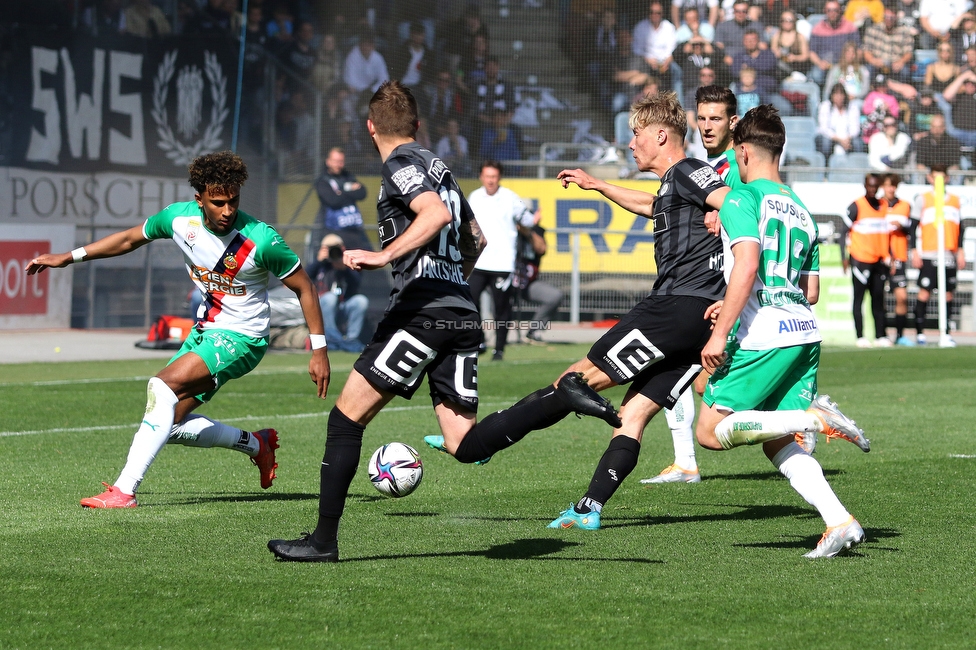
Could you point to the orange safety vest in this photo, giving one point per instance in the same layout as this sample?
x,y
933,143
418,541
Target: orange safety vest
x,y
928,241
898,217
869,232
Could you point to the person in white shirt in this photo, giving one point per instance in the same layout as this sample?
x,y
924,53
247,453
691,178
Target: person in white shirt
x,y
888,148
499,212
653,44
838,124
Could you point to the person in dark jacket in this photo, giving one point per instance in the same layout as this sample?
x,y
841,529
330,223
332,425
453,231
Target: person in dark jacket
x,y
339,191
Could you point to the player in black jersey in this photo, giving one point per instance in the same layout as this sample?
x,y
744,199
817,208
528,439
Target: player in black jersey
x,y
430,236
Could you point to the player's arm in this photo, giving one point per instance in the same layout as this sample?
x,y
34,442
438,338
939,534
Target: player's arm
x,y
318,368
746,255
114,245
431,216
635,201
810,286
471,242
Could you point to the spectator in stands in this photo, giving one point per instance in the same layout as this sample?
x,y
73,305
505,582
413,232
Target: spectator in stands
x,y
696,55
600,54
827,39
889,47
937,147
838,125
707,12
937,17
143,18
748,94
864,12
654,42
300,54
492,93
850,72
763,63
364,70
908,17
729,33
879,103
693,26
500,141
461,33
409,60
888,149
473,62
452,148
921,110
964,36
790,47
627,78
940,73
442,102
342,304
327,71
214,19
281,27
104,17
958,104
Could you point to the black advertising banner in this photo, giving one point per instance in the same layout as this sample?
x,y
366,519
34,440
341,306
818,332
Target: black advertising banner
x,y
120,104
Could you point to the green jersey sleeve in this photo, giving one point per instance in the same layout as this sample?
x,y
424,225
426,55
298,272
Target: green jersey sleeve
x,y
272,251
740,214
160,225
811,264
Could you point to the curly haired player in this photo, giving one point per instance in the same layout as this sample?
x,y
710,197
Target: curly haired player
x,y
229,256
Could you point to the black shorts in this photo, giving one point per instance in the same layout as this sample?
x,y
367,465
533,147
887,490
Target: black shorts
x,y
656,347
865,273
441,343
898,279
928,276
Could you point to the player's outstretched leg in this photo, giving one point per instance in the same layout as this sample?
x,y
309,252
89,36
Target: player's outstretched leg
x,y
200,431
148,441
807,478
835,424
583,400
685,466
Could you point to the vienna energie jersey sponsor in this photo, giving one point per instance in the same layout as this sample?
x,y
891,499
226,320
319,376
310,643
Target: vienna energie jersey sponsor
x,y
231,270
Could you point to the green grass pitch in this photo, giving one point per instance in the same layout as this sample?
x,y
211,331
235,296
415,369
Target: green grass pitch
x,y
467,560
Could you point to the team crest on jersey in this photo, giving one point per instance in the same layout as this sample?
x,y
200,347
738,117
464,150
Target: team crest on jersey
x,y
664,189
408,179
230,262
437,169
192,230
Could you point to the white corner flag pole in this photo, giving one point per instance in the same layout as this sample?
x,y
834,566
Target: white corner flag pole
x,y
941,257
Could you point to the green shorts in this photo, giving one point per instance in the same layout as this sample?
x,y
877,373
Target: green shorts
x,y
228,355
780,379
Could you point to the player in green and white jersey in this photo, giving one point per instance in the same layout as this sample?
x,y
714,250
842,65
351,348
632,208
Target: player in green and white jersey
x,y
229,256
716,111
764,380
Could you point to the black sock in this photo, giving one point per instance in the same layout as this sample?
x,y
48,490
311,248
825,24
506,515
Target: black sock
x,y
920,309
501,430
343,444
950,305
900,321
618,461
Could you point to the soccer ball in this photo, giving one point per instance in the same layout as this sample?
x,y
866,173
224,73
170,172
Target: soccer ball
x,y
395,469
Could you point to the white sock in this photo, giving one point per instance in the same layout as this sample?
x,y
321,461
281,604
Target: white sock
x,y
680,420
807,478
200,431
151,436
755,427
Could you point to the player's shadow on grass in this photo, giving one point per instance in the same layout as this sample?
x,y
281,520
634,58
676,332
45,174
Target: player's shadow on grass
x,y
746,513
759,476
808,542
240,497
543,548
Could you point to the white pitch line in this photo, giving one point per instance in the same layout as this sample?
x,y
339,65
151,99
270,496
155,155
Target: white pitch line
x,y
243,418
962,455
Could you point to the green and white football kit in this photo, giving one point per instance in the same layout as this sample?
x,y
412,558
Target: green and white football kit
x,y
773,358
231,270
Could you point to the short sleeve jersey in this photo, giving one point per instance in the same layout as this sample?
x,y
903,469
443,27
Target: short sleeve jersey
x,y
689,259
231,270
770,214
432,275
